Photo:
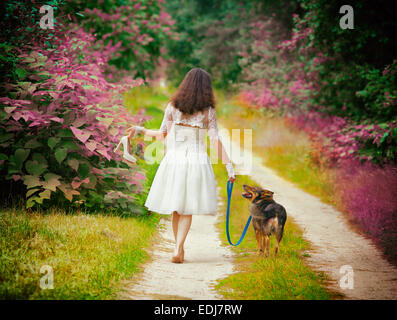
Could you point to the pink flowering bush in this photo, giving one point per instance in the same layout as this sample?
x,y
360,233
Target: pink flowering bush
x,y
60,122
139,29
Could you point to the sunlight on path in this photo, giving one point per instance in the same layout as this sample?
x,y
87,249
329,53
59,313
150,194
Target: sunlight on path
x,y
205,262
333,241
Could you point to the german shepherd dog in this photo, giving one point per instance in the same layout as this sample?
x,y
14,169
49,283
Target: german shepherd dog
x,y
268,217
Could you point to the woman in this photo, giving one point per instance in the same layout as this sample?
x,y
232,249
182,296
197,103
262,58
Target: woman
x,y
184,184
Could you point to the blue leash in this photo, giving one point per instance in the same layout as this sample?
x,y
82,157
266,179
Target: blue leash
x,y
229,196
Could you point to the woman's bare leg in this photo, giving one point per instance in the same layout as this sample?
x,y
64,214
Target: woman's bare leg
x,y
184,224
175,221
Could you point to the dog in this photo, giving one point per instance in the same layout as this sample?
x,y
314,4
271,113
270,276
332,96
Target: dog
x,y
268,217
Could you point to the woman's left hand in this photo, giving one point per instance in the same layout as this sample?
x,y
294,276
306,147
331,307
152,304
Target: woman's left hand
x,y
231,179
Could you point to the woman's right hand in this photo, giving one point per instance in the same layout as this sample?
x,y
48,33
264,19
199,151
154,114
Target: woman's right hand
x,y
135,130
230,172
131,131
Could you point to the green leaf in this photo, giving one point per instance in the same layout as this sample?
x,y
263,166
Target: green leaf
x,y
46,194
68,191
31,201
74,164
5,137
385,135
21,73
70,145
31,191
31,181
39,158
65,133
34,167
60,154
84,170
20,156
32,144
51,181
52,142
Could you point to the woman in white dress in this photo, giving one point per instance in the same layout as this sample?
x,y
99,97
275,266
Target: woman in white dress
x,y
184,184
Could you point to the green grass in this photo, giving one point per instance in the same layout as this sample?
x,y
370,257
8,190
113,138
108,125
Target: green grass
x,y
89,254
286,276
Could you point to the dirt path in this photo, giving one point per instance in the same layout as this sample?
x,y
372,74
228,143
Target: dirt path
x,y
206,260
334,244
333,241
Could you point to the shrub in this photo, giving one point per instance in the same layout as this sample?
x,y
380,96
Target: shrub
x,y
139,28
60,121
369,194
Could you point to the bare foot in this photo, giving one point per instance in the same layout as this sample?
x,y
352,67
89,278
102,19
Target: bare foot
x,y
176,259
179,256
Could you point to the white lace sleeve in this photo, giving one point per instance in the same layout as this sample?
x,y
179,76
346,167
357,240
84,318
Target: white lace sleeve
x,y
213,135
167,119
212,124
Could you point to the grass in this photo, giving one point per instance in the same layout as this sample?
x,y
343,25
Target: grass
x,y
89,254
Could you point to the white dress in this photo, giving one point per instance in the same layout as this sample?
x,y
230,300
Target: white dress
x,y
185,181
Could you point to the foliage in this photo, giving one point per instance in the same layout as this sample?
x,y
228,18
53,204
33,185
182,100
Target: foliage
x,y
357,64
60,119
368,193
209,38
288,76
299,60
139,29
61,124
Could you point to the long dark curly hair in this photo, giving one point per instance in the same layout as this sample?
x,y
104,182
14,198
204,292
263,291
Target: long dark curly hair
x,y
195,93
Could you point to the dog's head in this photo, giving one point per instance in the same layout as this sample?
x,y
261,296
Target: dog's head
x,y
255,193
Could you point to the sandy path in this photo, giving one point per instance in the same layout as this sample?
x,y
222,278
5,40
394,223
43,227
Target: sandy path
x,y
333,241
205,262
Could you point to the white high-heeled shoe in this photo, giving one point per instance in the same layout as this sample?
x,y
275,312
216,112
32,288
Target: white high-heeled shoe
x,y
126,153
